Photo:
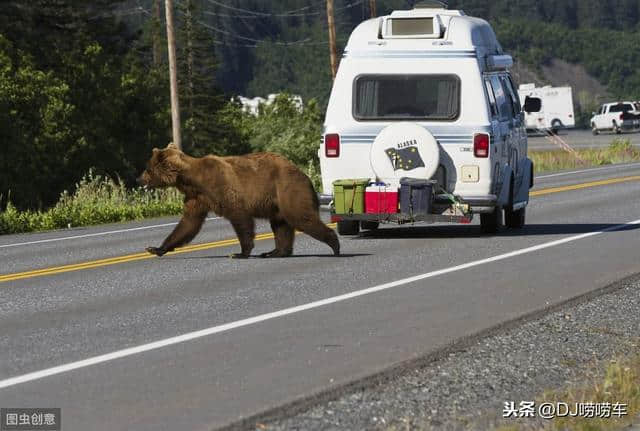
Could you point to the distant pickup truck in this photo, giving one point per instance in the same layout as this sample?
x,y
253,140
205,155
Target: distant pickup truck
x,y
616,117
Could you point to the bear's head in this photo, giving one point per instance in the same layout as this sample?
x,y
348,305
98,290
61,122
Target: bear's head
x,y
164,167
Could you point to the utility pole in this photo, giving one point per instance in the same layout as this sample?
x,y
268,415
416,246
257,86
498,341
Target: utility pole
x,y
173,75
332,39
190,57
372,8
156,23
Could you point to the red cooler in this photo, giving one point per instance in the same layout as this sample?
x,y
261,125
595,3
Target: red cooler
x,y
381,198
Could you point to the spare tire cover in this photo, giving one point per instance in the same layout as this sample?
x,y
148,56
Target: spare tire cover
x,y
404,150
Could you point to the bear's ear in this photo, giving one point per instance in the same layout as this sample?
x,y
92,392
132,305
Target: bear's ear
x,y
155,150
172,146
176,160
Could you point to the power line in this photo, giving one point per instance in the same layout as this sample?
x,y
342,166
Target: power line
x,y
256,42
297,42
248,14
118,14
247,11
250,39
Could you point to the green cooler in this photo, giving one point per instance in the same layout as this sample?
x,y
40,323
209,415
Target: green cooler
x,y
348,195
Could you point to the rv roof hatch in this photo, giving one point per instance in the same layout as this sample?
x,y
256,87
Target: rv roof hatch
x,y
431,4
415,26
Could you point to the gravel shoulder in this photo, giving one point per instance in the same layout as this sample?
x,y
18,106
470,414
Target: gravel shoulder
x,y
467,388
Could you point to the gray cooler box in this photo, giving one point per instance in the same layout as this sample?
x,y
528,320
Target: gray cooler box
x,y
416,196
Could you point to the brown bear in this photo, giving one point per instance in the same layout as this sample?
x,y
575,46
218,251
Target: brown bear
x,y
240,189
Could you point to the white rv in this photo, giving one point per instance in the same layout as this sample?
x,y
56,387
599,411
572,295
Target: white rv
x,y
556,111
438,82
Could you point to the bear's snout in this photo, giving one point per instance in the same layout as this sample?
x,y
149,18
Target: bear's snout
x,y
143,180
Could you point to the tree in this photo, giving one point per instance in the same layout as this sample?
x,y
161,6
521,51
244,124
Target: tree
x,y
75,96
201,99
34,127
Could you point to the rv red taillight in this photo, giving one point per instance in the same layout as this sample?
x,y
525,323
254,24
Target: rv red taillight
x,y
621,116
332,145
481,145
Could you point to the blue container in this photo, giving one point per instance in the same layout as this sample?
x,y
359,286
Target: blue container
x,y
416,196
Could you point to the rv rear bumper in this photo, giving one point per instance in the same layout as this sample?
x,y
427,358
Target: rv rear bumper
x,y
481,204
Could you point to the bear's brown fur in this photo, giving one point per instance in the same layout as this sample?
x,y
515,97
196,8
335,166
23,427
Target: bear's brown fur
x,y
240,189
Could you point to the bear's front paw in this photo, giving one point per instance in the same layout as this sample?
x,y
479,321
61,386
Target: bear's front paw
x,y
155,250
238,256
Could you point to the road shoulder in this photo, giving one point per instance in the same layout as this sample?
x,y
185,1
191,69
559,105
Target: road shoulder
x,y
468,388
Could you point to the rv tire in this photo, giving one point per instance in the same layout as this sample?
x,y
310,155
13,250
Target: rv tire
x,y
515,219
490,223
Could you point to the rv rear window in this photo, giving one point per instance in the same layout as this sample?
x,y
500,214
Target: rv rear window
x,y
406,97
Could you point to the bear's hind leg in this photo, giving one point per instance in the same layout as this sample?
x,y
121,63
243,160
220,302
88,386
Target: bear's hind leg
x,y
284,236
245,230
318,230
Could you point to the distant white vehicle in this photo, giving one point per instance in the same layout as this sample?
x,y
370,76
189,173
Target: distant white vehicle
x,y
557,108
252,106
616,117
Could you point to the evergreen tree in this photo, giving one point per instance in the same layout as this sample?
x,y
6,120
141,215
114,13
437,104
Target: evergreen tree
x,y
200,97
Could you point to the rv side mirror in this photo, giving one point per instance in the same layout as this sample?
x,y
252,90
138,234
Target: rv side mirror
x,y
532,104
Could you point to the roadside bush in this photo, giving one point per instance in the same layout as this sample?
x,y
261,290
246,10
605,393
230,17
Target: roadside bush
x,y
96,199
287,129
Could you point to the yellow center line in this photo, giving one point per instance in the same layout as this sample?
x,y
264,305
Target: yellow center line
x,y
127,258
584,185
228,242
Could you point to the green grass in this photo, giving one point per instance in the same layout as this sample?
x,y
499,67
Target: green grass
x,y
618,383
96,200
620,151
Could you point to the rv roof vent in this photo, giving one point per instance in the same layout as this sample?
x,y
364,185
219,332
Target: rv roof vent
x,y
408,27
431,4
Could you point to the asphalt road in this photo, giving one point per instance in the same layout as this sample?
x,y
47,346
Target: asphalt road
x,y
580,139
195,340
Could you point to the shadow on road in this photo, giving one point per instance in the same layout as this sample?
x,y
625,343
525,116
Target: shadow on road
x,y
455,231
257,257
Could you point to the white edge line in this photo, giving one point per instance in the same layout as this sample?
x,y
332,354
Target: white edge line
x,y
586,171
89,235
288,311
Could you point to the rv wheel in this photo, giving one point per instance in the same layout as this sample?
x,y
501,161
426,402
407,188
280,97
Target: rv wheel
x,y
515,219
348,228
490,223
556,125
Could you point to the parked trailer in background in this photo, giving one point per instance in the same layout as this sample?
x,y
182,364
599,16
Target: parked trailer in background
x,y
557,108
